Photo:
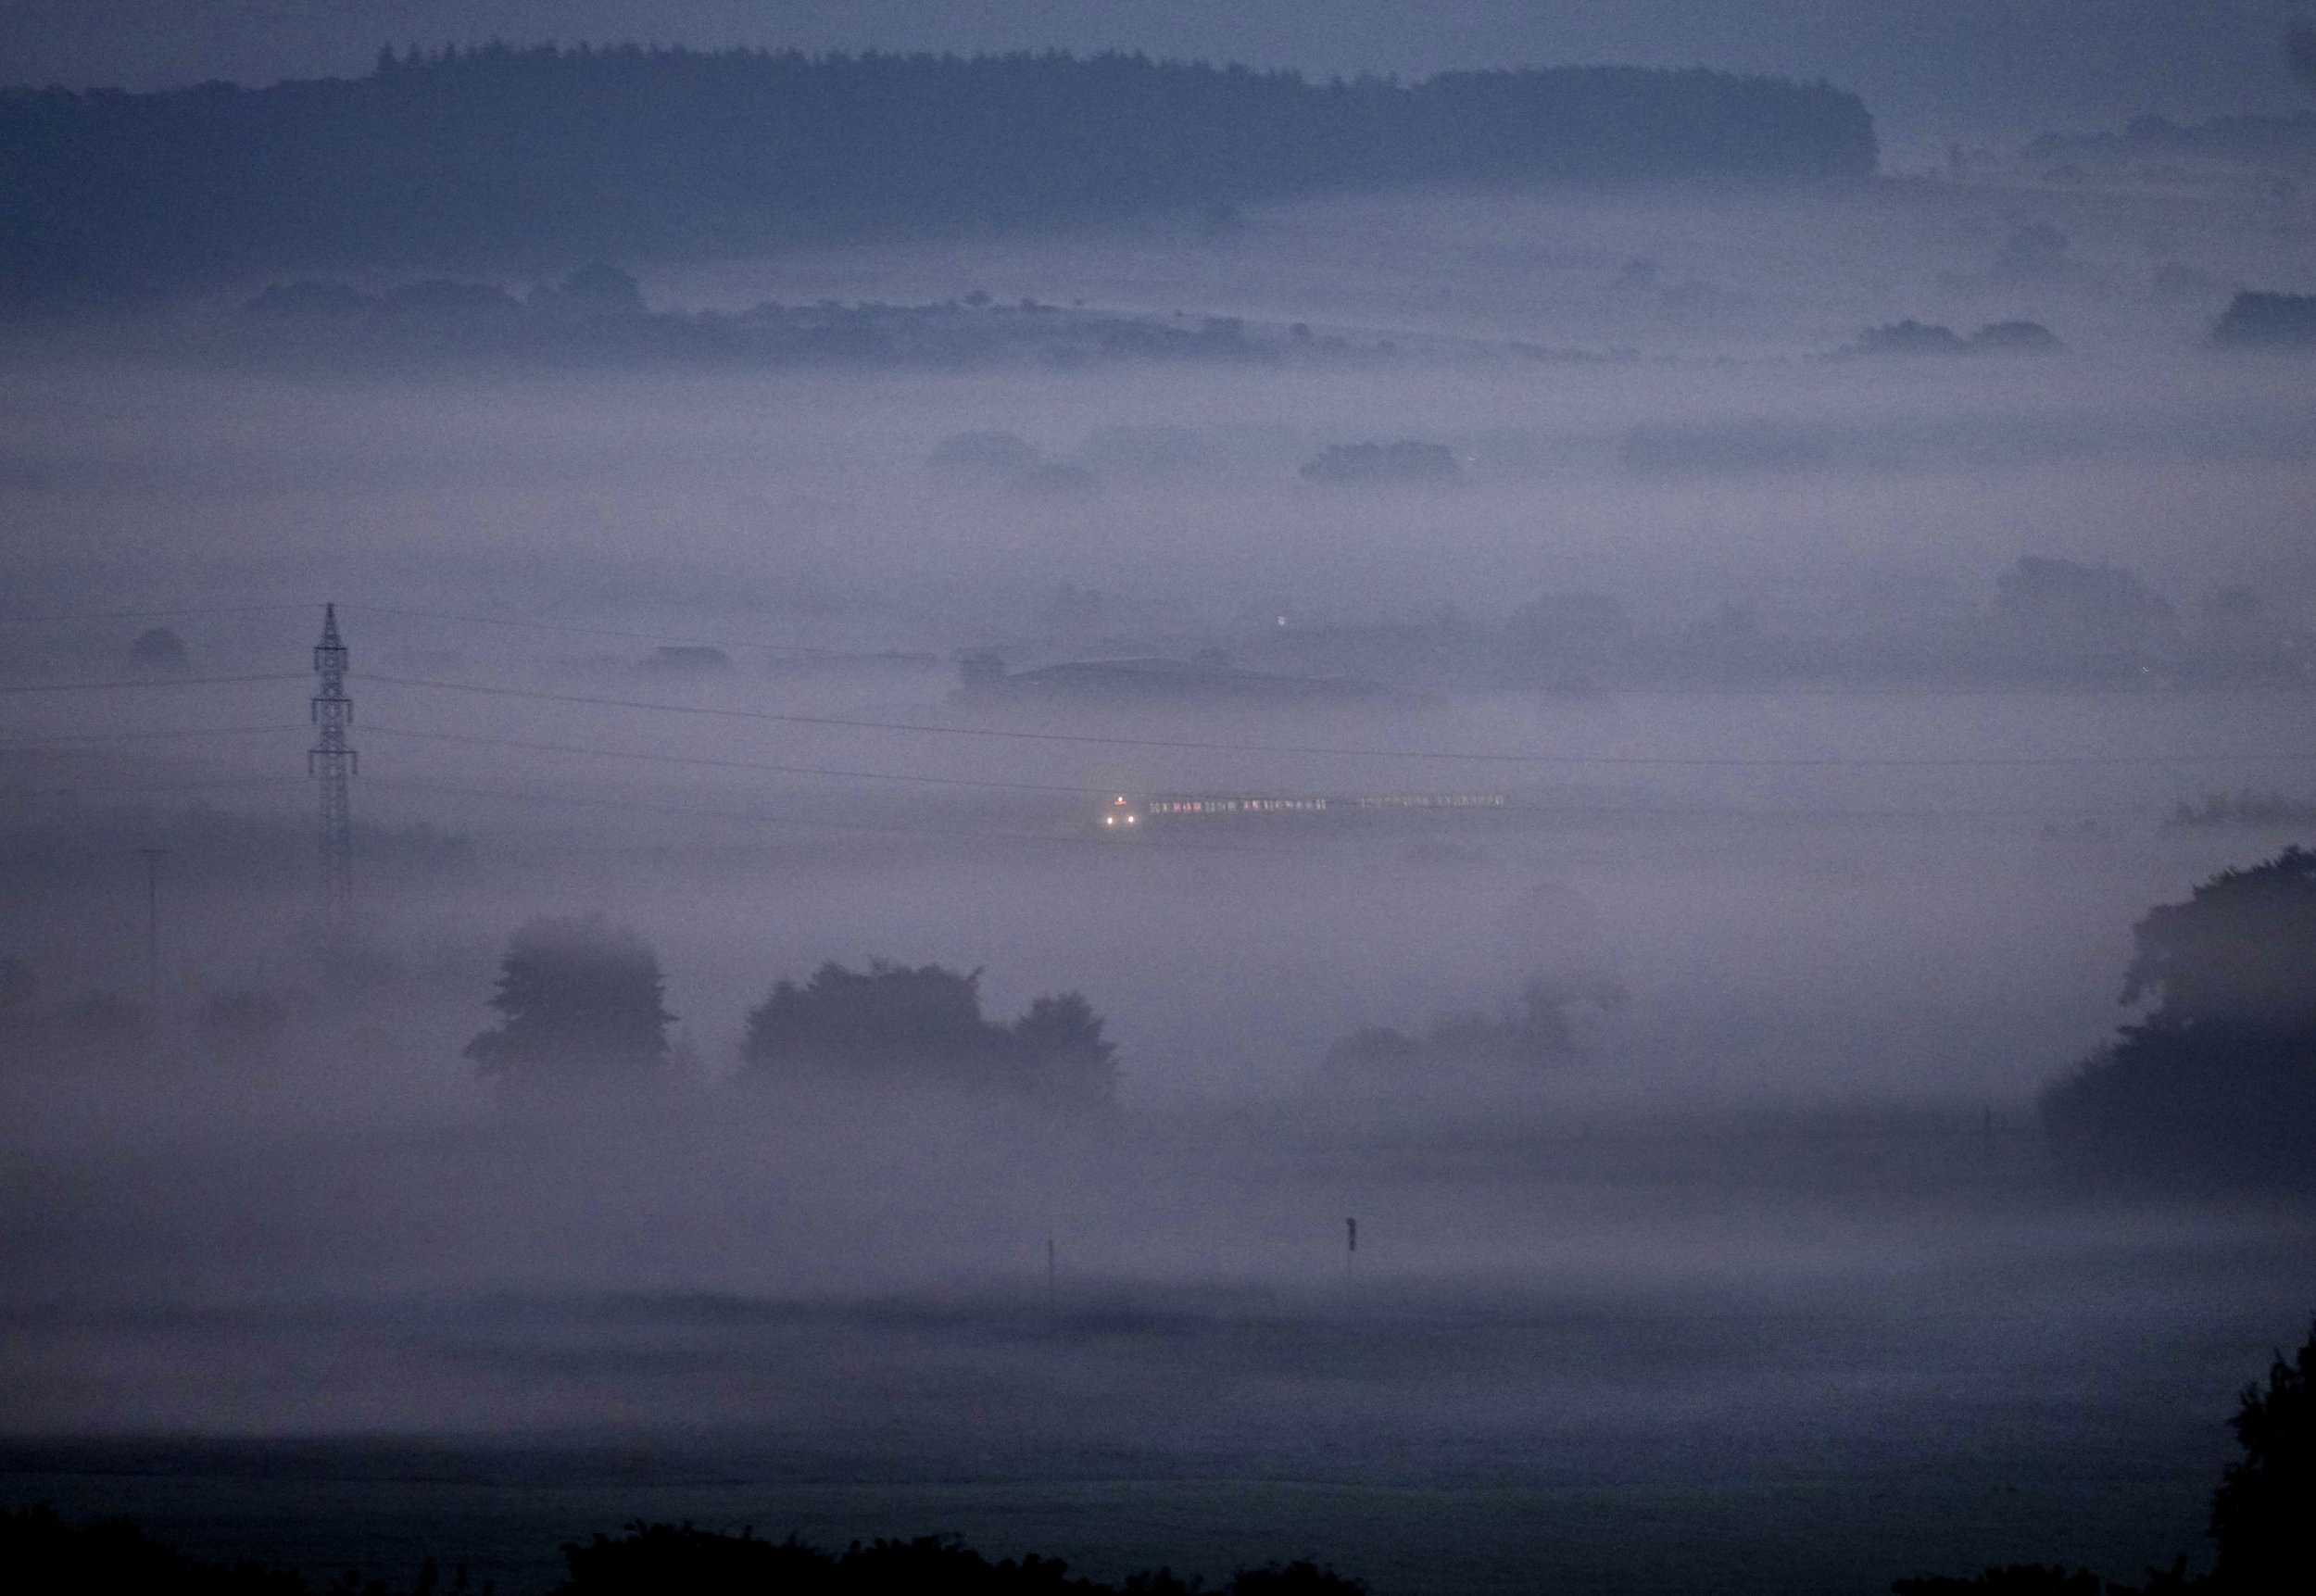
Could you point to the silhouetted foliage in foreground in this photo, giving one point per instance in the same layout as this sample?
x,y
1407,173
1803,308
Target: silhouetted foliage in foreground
x,y
546,154
45,1556
652,1558
2218,1080
2263,1515
2018,1579
2260,1522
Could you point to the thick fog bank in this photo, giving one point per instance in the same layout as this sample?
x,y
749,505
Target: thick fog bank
x,y
901,907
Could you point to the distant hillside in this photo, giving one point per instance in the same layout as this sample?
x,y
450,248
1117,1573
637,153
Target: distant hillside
x,y
545,156
2247,141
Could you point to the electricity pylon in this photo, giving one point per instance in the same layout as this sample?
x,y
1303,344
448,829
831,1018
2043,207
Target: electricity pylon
x,y
330,762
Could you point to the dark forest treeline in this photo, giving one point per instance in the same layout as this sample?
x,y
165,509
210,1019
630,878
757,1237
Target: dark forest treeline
x,y
48,1556
548,156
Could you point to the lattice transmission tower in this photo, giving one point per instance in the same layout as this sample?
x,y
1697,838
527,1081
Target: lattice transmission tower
x,y
331,763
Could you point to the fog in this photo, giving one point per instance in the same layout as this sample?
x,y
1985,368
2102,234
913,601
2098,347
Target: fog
x,y
1773,1249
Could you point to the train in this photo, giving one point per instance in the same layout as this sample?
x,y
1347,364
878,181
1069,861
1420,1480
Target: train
x,y
1126,813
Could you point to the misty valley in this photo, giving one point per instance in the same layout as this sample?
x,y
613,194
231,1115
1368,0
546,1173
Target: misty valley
x,y
1511,831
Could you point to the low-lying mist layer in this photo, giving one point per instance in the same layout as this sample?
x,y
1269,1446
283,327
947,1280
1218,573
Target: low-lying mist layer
x,y
1623,801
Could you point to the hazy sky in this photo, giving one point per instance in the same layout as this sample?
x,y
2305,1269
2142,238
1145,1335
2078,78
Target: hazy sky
x,y
1994,71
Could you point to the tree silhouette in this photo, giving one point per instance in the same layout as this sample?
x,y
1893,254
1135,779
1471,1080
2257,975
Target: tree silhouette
x,y
159,649
579,1003
42,1555
896,1025
2256,320
2018,1579
2263,1515
2219,1078
1511,1047
1063,1047
2299,50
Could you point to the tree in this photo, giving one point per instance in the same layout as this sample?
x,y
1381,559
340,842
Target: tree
x,y
159,649
1407,460
1540,1033
600,290
579,1003
2240,954
893,1024
2263,320
2263,1515
1562,638
887,1019
2218,1076
2018,1579
2067,617
1062,1044
1909,337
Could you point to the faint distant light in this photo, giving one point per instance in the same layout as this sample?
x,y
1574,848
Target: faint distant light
x,y
1282,620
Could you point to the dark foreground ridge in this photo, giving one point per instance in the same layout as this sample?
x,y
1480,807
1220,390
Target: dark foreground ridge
x,y
550,157
44,1554
2261,1526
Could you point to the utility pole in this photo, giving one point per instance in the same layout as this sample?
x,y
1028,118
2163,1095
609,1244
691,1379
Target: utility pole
x,y
152,856
333,763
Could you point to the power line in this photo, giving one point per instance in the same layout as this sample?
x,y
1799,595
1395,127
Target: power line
x,y
735,764
151,614
1479,755
630,636
140,682
198,785
1553,811
755,817
76,738
408,613
1588,811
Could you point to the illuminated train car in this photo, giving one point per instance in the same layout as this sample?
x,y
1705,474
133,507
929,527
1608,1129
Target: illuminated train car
x,y
1123,813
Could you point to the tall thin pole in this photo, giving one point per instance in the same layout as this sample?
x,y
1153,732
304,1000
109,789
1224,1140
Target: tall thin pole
x,y
331,763
152,856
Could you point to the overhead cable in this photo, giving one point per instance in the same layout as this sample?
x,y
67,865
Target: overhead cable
x,y
1477,755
